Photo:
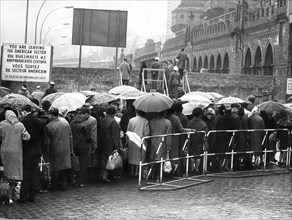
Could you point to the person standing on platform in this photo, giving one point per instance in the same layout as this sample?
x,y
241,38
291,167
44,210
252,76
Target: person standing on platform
x,y
38,95
174,82
50,90
23,91
125,72
154,74
183,61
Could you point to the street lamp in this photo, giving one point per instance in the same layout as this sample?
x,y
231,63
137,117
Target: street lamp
x,y
67,7
53,28
36,22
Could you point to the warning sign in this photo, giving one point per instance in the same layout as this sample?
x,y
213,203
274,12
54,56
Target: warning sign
x,y
23,62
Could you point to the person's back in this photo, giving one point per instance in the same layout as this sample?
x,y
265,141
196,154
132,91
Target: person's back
x,y
50,90
38,94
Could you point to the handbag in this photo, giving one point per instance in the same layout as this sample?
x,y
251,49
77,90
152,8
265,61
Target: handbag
x,y
44,169
75,166
167,165
114,161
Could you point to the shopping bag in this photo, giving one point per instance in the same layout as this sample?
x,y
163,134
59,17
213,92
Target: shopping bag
x,y
114,161
44,169
75,166
4,185
167,165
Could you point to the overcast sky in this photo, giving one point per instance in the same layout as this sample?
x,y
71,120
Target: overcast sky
x,y
145,18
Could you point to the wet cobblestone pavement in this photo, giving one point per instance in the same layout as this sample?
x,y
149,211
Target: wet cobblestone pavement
x,y
265,197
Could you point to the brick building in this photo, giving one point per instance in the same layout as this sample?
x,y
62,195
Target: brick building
x,y
244,46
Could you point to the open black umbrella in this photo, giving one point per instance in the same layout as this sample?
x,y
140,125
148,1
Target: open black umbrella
x,y
270,107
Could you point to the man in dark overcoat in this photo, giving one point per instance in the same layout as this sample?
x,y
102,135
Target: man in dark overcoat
x,y
31,154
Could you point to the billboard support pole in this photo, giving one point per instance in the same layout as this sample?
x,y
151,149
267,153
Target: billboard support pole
x,y
117,48
80,48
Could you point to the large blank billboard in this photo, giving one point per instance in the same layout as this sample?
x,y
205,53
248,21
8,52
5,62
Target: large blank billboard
x,y
99,27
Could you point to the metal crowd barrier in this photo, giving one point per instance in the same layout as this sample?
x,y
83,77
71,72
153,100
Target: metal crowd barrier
x,y
187,180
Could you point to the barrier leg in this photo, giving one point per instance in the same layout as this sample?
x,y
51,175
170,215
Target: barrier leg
x,y
265,159
140,174
232,160
161,171
187,166
205,162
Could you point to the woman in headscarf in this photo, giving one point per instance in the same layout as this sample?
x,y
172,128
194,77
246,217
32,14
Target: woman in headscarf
x,y
12,132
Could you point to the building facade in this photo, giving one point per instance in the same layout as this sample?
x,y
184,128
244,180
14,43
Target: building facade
x,y
247,40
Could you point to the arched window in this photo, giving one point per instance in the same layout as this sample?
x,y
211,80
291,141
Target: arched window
x,y
226,64
200,64
195,65
206,63
257,62
212,65
268,67
218,64
247,63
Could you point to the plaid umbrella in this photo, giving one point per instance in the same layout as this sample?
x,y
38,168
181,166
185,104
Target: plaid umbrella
x,y
230,100
153,102
101,98
53,96
121,89
16,101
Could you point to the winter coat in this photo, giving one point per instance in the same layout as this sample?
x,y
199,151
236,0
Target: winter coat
x,y
36,130
183,59
224,122
81,133
125,70
12,132
109,136
197,139
140,126
256,137
159,126
59,144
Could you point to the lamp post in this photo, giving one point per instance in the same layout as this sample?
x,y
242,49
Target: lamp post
x,y
36,22
53,28
67,7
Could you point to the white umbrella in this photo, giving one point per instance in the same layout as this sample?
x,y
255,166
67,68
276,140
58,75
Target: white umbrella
x,y
216,95
121,89
131,95
198,99
205,94
70,100
190,106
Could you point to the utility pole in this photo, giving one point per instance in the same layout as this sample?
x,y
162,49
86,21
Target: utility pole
x,y
26,22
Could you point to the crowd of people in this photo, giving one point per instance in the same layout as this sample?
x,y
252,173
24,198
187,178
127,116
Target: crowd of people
x,y
92,133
